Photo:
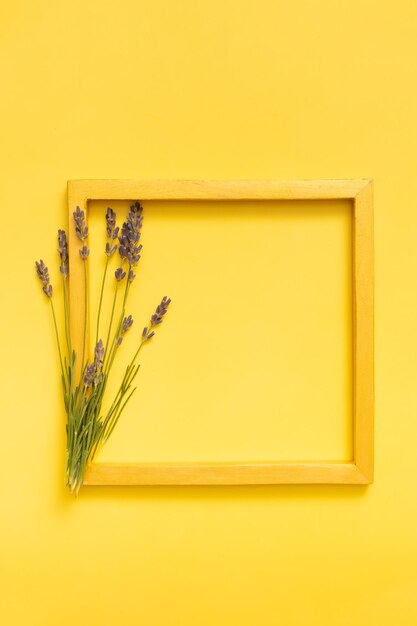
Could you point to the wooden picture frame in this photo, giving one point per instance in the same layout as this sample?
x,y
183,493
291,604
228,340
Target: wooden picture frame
x,y
357,471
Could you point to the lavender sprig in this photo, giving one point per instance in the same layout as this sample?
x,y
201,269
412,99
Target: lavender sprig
x,y
64,269
129,250
63,252
129,247
156,319
112,229
112,232
94,372
43,275
81,228
127,324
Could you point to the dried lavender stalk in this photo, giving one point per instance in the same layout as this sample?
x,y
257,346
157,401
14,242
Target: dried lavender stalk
x,y
63,252
112,232
81,230
127,324
43,275
129,247
129,250
156,319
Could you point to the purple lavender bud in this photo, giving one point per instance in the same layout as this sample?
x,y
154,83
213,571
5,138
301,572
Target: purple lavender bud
x,y
97,378
80,226
89,374
110,250
63,252
156,318
43,275
99,354
120,274
131,276
127,324
161,310
93,372
84,252
111,222
115,233
42,272
146,334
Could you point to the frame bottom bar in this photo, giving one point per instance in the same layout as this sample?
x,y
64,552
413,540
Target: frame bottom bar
x,y
224,474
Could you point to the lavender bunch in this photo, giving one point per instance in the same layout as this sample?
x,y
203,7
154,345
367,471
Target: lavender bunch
x,y
84,383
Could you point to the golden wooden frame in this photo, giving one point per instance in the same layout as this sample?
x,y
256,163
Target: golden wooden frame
x,y
360,469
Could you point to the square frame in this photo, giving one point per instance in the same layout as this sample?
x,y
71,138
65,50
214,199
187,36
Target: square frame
x,y
357,471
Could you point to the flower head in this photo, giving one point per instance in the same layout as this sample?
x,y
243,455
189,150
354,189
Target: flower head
x,y
129,247
63,252
99,354
43,275
93,372
80,226
156,319
127,324
89,375
112,229
161,310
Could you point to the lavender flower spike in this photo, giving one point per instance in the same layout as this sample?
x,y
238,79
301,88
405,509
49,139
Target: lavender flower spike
x,y
89,375
43,275
112,230
156,319
63,252
93,372
99,354
80,226
127,324
129,247
161,310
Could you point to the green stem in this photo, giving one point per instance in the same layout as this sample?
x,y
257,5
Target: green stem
x,y
85,319
112,351
67,317
101,298
106,347
57,340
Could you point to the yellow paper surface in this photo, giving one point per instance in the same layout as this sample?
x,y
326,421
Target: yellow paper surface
x,y
220,90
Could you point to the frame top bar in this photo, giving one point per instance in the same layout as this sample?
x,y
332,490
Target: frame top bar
x,y
216,189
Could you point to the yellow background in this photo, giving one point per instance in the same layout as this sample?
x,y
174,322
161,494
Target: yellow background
x,y
204,90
